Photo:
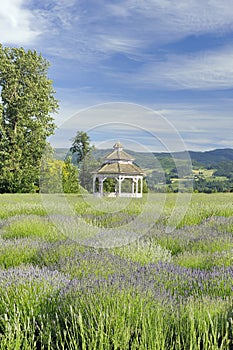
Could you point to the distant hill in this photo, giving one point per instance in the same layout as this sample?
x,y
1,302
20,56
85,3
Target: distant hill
x,y
147,160
212,157
60,153
206,158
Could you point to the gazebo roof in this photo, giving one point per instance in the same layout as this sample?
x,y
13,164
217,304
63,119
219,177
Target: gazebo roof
x,y
120,168
118,153
119,162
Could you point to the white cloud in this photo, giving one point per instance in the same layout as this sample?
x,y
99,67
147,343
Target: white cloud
x,y
16,23
112,44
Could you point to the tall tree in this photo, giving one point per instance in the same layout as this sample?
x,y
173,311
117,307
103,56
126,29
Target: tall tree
x,y
26,104
82,152
80,146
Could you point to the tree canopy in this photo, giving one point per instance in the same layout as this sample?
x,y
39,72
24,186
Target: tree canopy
x,y
58,176
82,152
26,104
80,146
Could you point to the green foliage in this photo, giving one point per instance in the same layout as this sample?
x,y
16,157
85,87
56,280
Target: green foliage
x,y
126,185
212,185
57,176
70,177
144,186
51,176
86,168
109,185
224,169
27,101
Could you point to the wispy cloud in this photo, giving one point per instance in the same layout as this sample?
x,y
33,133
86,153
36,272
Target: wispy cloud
x,y
119,43
129,26
204,70
16,23
169,20
102,28
178,127
92,32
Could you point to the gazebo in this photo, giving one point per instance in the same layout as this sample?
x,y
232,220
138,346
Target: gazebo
x,y
127,177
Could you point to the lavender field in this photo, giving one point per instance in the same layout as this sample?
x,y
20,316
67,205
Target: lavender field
x,y
166,285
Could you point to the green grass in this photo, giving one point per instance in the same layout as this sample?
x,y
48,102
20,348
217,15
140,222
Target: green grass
x,y
16,252
17,204
31,226
144,252
205,261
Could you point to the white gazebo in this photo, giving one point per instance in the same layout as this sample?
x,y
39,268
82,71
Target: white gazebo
x,y
119,166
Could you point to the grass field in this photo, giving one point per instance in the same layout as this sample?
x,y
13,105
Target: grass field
x,y
68,280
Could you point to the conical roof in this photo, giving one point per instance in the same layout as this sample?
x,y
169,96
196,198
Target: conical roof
x,y
120,168
119,154
119,162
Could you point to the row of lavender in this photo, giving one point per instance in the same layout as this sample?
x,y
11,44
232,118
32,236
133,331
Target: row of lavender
x,y
158,306
164,291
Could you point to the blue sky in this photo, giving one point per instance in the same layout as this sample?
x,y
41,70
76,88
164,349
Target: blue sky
x,y
171,57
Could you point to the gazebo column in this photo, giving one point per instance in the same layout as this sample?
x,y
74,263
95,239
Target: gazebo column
x,y
101,185
120,180
133,180
137,185
93,184
141,180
